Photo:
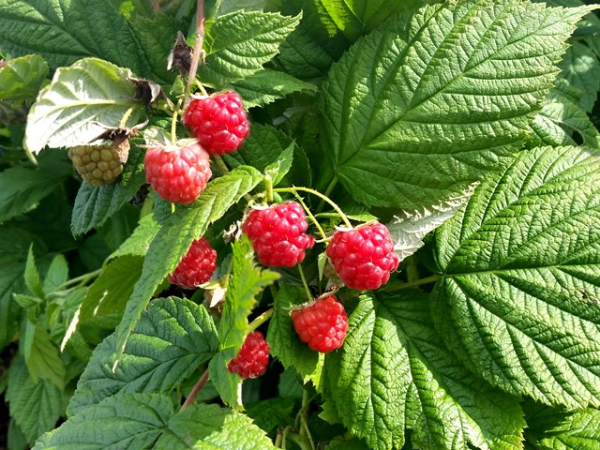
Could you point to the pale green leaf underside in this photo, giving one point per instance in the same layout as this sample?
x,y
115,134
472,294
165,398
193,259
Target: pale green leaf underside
x,y
419,110
171,339
34,406
238,44
21,78
408,228
175,237
81,103
518,298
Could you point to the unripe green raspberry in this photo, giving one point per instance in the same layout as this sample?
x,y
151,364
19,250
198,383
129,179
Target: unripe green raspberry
x,y
100,164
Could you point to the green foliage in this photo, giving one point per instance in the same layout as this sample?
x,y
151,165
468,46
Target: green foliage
x,y
429,124
520,264
171,339
468,128
232,56
35,406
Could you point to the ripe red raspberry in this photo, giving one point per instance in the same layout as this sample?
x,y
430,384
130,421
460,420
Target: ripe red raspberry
x,y
363,257
178,174
277,234
219,122
253,357
322,325
196,267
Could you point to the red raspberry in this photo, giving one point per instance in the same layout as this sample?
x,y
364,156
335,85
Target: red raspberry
x,y
178,174
196,267
363,257
322,325
253,357
219,122
277,234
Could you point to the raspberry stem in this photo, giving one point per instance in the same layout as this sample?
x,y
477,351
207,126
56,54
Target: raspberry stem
x,y
311,216
257,322
197,50
195,390
321,196
220,164
306,288
327,193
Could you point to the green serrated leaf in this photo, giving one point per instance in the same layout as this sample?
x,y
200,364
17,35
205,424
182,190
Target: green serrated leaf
x,y
14,247
138,243
64,35
127,421
562,122
357,17
272,413
23,187
41,355
58,273
581,68
81,103
227,384
21,78
107,295
369,378
171,339
215,428
95,205
268,85
27,301
399,126
518,295
35,407
33,280
246,282
277,170
16,438
176,236
265,146
550,429
238,44
283,339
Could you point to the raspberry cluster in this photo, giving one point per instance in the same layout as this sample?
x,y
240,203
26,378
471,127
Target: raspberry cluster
x,y
364,256
278,234
253,357
196,267
219,122
322,325
178,174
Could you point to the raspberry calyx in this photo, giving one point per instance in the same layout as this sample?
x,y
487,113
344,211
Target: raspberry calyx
x,y
219,122
253,357
178,174
278,234
196,267
363,257
322,324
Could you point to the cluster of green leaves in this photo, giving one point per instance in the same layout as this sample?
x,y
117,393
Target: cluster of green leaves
x,y
467,126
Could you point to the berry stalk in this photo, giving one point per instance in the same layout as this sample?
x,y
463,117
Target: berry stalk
x,y
321,196
197,50
196,390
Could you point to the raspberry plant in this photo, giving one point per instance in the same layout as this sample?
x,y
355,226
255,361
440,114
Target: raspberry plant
x,y
401,200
